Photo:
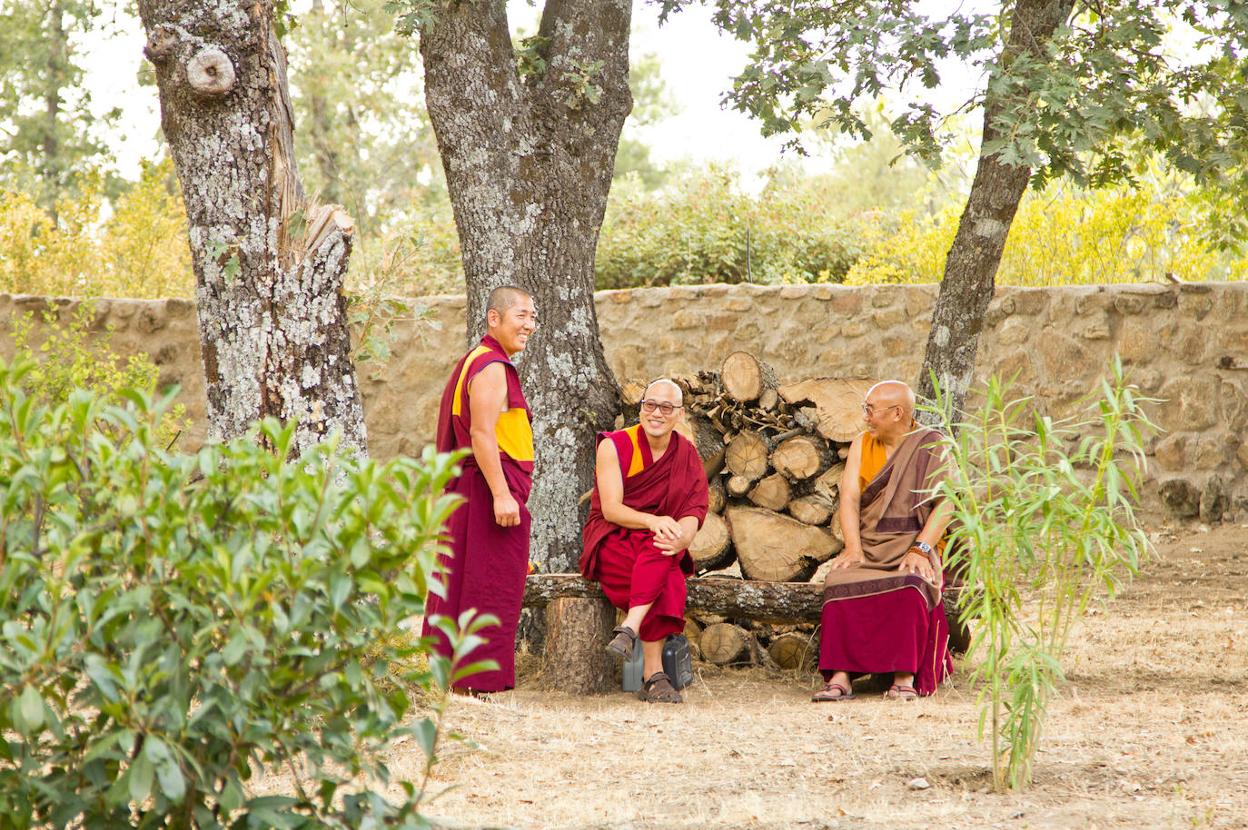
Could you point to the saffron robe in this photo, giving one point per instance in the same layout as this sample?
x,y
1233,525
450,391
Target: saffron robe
x,y
625,561
486,564
876,620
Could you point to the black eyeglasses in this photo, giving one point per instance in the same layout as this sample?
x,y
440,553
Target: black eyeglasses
x,y
663,406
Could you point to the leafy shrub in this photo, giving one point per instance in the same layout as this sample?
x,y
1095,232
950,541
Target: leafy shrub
x,y
171,625
72,356
139,251
707,230
1065,236
1044,523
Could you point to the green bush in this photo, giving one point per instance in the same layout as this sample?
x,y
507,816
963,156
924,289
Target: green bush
x,y
171,625
1044,523
72,355
708,231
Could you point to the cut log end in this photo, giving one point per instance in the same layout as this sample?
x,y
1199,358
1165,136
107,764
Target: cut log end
x,y
712,546
744,377
724,644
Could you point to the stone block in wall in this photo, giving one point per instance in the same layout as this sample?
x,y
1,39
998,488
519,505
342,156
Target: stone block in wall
x,y
1234,401
1063,360
1170,452
1190,404
1180,496
1139,338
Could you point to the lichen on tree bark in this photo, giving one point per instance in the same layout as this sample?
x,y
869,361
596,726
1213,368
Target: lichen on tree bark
x,y
269,265
528,164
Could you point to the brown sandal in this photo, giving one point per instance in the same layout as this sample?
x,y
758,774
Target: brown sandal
x,y
658,688
901,692
832,692
623,643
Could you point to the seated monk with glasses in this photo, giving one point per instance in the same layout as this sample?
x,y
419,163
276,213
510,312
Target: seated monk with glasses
x,y
649,499
882,611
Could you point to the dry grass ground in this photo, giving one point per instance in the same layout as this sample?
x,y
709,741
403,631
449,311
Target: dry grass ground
x,y
1150,732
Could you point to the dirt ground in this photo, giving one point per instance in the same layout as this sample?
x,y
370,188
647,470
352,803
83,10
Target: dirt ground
x,y
1151,731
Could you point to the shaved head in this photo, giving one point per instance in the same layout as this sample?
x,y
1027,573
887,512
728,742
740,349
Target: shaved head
x,y
504,297
679,395
892,393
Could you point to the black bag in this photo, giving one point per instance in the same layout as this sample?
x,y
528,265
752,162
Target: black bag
x,y
677,661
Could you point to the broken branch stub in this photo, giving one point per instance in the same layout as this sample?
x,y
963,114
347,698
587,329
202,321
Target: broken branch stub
x,y
210,73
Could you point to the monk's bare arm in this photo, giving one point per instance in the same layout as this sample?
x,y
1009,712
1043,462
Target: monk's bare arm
x,y
611,496
851,496
487,394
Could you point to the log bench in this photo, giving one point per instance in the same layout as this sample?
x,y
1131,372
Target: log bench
x,y
579,619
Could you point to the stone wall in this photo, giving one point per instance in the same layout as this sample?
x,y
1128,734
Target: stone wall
x,y
1186,344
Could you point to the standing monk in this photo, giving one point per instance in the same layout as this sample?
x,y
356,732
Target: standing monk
x,y
650,497
881,601
483,409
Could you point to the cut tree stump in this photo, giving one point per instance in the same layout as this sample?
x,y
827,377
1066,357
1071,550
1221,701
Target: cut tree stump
x,y
738,486
724,644
801,457
795,651
746,455
785,603
575,660
772,492
744,377
837,401
810,510
712,546
778,548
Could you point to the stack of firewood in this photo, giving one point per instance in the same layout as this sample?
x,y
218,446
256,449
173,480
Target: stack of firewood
x,y
774,455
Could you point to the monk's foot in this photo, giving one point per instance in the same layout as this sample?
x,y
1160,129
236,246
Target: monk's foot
x,y
473,693
658,688
833,691
623,643
902,691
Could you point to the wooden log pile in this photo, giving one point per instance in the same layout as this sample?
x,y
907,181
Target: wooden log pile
x,y
774,455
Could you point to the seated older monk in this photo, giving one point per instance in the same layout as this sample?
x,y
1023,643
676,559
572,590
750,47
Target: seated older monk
x,y
649,499
881,601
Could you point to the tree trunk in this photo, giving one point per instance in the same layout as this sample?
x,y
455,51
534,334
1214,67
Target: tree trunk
x,y
971,266
269,267
528,164
575,660
57,71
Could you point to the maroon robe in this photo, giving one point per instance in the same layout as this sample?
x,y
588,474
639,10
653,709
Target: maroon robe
x,y
625,561
486,565
876,620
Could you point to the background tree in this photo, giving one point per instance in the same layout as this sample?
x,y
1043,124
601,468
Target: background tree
x,y
528,138
1074,89
48,135
364,139
269,265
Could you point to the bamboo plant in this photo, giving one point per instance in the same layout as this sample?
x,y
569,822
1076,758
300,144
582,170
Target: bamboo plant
x,y
1044,523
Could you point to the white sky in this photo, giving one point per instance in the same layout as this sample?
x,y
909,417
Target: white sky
x,y
697,64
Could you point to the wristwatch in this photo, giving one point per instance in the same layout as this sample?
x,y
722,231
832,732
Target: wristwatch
x,y
923,547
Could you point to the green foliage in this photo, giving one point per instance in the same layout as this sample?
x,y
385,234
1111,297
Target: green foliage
x,y
1043,523
363,137
1163,75
1066,235
173,625
72,355
707,230
80,250
49,136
